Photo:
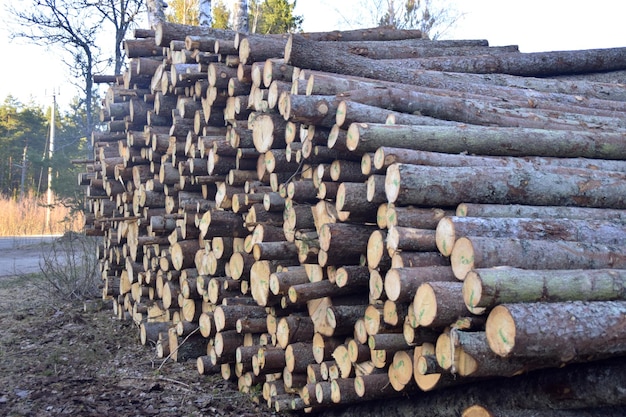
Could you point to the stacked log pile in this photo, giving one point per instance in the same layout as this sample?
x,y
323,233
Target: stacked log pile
x,y
364,215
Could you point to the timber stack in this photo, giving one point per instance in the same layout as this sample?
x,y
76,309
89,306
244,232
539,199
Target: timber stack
x,y
352,216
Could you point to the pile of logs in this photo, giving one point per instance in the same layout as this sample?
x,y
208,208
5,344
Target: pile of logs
x,y
349,216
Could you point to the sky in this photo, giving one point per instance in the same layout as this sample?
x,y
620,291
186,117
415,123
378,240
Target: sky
x,y
29,72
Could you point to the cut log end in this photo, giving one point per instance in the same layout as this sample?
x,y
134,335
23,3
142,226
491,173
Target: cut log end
x,y
445,236
462,258
500,330
392,183
472,292
425,305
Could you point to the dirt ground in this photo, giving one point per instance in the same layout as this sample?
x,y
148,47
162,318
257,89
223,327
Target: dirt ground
x,y
56,360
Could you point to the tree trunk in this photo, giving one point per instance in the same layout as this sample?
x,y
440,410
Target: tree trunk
x,y
386,156
402,283
447,186
569,331
486,140
450,229
527,211
306,54
536,64
482,252
438,304
486,288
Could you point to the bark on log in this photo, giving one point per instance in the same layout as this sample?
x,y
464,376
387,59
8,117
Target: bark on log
x,y
440,187
557,212
535,64
402,283
306,54
481,252
438,304
569,331
483,289
486,140
450,229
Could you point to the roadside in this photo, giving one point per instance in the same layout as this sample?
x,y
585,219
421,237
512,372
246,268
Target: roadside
x,y
56,359
21,255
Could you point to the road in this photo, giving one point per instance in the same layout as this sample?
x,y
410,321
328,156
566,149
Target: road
x,y
22,254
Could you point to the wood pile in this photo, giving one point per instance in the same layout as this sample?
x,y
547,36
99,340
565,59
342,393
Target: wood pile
x,y
363,215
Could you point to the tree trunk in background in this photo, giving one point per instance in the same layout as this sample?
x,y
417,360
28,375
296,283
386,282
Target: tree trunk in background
x,y
241,16
205,17
156,12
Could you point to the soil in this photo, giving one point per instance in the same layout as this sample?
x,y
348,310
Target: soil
x,y
56,360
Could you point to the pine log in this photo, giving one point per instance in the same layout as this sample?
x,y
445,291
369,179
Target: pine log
x,y
402,283
410,239
306,54
569,331
292,329
450,229
536,64
468,354
438,304
386,156
413,184
488,140
557,212
483,289
494,411
481,252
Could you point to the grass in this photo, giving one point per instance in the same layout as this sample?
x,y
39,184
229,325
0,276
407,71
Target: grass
x,y
27,216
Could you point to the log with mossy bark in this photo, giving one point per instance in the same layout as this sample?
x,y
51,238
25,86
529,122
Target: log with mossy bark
x,y
485,288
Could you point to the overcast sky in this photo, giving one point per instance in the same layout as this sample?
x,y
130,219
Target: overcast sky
x,y
535,25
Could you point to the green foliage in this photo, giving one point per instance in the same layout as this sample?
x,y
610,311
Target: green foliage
x,y
183,11
221,16
22,127
274,16
27,127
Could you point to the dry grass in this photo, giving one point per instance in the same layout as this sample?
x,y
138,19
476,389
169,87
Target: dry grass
x,y
28,217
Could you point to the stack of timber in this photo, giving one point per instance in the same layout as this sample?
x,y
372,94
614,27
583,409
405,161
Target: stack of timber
x,y
343,217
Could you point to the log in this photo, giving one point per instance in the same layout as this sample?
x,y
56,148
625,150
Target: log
x,y
536,64
483,289
569,331
402,283
410,239
306,54
451,228
558,212
482,252
413,184
438,304
386,156
469,355
488,140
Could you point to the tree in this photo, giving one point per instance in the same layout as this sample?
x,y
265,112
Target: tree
x,y
122,14
183,11
273,16
241,16
432,17
71,26
23,130
205,15
221,16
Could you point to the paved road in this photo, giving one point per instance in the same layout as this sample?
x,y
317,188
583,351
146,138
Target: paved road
x,y
22,254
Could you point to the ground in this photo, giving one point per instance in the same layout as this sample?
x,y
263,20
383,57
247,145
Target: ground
x,y
56,359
